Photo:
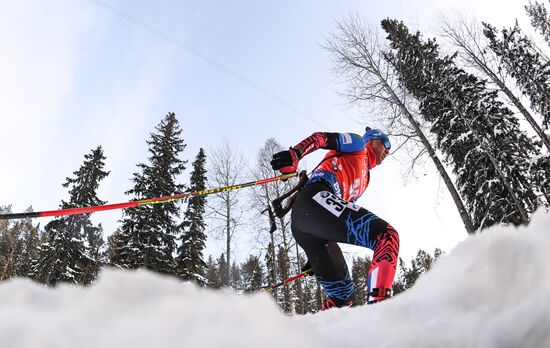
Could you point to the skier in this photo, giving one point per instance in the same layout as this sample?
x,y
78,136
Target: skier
x,y
324,212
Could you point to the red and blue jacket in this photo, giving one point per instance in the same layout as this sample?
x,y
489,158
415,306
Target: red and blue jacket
x,y
346,167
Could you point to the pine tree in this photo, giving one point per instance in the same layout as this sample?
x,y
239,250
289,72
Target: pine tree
x,y
147,236
252,274
190,264
407,276
438,253
271,266
66,255
212,274
236,278
541,174
10,247
30,237
115,244
283,264
308,297
313,297
19,241
95,242
223,272
258,277
423,261
318,297
359,271
420,264
479,136
297,287
399,284
540,19
524,62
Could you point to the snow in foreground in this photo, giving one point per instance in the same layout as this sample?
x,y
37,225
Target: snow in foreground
x,y
492,290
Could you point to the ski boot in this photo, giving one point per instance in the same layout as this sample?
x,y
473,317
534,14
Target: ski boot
x,y
379,294
330,303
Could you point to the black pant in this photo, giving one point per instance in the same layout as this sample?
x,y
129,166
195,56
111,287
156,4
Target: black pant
x,y
320,220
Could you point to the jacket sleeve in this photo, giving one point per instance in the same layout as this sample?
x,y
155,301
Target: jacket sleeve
x,y
341,142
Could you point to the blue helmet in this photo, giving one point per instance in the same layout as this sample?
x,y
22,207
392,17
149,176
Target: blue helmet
x,y
377,134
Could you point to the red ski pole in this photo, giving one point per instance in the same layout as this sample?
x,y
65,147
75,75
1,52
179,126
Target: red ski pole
x,y
139,203
288,280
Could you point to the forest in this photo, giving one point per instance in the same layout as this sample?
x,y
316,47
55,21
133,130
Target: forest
x,y
474,100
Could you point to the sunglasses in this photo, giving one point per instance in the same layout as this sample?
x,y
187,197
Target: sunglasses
x,y
386,143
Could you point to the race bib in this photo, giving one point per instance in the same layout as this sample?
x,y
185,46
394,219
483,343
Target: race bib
x,y
333,203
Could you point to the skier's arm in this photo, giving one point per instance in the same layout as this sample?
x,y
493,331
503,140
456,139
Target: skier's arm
x,y
341,142
287,161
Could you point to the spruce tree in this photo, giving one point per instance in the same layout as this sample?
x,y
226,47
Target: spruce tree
x,y
236,278
312,295
258,277
283,264
308,297
115,244
10,247
212,274
66,255
540,19
271,267
541,174
420,264
190,264
359,271
524,62
252,274
19,241
407,276
399,284
30,237
479,136
318,297
223,272
147,235
95,242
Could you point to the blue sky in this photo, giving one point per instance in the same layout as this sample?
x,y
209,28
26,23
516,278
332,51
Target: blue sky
x,y
74,75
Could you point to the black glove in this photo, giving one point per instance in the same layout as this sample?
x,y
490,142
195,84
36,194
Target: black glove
x,y
307,268
285,161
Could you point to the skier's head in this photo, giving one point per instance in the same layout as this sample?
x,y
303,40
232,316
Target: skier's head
x,y
379,142
377,134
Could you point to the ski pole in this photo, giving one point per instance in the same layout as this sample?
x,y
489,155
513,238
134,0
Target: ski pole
x,y
139,203
288,280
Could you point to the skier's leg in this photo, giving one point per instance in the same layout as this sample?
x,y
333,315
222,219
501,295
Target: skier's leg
x,y
328,265
383,265
318,213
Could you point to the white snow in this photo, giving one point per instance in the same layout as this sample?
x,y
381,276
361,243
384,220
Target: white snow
x,y
492,290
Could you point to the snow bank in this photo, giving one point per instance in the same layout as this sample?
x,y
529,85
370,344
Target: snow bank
x,y
492,290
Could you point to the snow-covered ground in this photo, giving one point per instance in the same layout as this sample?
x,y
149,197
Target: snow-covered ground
x,y
492,290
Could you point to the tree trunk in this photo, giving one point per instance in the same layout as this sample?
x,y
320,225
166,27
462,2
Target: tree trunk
x,y
299,289
274,269
228,227
286,292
